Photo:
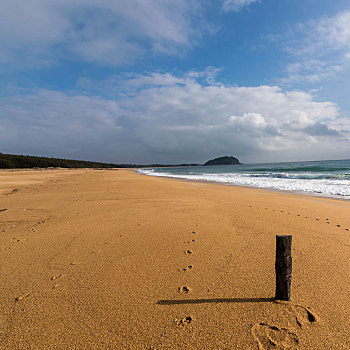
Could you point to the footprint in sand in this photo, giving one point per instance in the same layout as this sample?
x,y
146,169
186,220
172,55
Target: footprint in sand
x,y
22,297
184,289
303,315
273,337
189,267
167,336
57,276
184,321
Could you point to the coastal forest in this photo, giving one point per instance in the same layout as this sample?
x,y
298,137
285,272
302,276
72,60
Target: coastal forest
x,y
11,161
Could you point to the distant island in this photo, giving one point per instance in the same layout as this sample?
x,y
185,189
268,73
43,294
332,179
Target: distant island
x,y
223,161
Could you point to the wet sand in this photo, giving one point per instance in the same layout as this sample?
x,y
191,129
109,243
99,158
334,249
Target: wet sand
x,y
115,260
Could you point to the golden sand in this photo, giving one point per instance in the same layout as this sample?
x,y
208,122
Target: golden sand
x,y
115,260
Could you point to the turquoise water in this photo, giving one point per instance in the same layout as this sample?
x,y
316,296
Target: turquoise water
x,y
330,178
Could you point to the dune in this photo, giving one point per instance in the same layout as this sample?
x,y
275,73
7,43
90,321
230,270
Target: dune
x,y
104,259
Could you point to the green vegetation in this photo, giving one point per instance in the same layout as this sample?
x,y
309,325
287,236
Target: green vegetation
x,y
10,161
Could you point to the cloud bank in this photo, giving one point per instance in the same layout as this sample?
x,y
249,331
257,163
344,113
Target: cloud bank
x,y
39,33
174,118
35,33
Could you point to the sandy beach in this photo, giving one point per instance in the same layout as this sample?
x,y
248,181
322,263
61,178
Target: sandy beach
x,y
110,259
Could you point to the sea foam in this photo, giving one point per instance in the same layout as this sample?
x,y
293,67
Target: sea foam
x,y
317,183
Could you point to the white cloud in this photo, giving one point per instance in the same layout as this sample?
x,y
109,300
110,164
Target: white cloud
x,y
172,118
311,70
335,30
236,5
100,31
320,49
131,83
248,122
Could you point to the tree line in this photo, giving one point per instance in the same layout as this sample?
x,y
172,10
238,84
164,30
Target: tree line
x,y
11,161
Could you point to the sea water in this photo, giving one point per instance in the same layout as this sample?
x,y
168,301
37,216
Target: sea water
x,y
330,178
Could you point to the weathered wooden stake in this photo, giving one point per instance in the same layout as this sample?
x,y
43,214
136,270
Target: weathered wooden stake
x,y
283,267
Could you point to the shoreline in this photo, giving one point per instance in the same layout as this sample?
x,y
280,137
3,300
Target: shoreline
x,y
301,193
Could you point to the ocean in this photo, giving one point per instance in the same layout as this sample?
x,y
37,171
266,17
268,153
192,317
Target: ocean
x,y
329,178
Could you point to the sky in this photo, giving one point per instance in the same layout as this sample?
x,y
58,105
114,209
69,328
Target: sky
x,y
175,81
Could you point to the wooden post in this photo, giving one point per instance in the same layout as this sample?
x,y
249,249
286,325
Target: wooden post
x,y
283,267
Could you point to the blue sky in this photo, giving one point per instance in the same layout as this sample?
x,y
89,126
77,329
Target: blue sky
x,y
175,81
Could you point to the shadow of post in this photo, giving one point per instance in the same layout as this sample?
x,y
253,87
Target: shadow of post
x,y
215,301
